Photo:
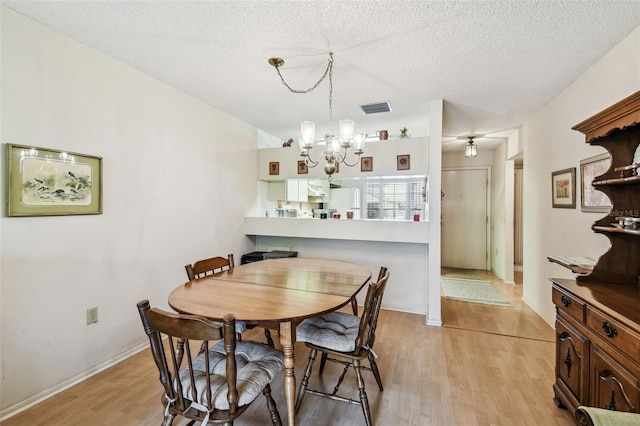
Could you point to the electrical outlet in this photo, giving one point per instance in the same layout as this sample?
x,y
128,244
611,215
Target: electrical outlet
x,y
92,315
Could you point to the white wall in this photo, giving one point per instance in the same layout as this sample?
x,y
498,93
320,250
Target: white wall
x,y
550,145
170,197
498,218
384,154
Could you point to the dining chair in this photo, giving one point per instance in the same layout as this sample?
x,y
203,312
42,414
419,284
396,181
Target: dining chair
x,y
215,265
346,319
209,384
346,339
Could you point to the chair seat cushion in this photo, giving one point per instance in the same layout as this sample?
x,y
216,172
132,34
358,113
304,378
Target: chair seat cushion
x,y
241,326
336,331
256,364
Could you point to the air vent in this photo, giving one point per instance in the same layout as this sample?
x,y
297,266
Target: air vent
x,y
376,108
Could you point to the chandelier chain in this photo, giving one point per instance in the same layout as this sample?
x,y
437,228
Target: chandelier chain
x,y
330,68
332,154
328,71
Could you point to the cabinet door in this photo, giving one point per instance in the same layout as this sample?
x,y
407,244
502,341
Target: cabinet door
x,y
297,190
612,386
572,361
303,190
276,191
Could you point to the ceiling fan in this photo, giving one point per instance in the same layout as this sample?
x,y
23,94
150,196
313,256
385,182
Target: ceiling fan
x,y
471,145
471,150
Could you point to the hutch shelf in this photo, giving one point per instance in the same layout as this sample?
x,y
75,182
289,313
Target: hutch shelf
x,y
598,313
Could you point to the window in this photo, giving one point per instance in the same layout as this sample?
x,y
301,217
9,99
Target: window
x,y
394,199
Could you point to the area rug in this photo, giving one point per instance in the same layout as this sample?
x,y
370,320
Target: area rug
x,y
475,291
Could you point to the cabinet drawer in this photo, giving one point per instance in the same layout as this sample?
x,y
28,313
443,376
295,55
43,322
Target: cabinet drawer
x,y
613,387
614,333
568,303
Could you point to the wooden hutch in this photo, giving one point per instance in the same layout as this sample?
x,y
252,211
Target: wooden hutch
x,y
598,313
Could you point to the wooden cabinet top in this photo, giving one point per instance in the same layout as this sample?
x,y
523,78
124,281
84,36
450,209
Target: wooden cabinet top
x,y
619,115
616,300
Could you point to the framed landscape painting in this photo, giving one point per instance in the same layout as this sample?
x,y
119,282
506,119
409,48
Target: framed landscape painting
x,y
49,182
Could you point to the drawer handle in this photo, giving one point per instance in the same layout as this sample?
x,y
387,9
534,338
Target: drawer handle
x,y
566,302
609,329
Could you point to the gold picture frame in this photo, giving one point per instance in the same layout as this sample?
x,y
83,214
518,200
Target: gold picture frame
x,y
302,167
274,168
563,188
50,182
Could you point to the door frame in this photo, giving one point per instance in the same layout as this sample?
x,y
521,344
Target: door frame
x,y
487,202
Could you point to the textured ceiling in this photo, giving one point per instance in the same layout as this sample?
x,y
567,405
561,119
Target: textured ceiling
x,y
494,63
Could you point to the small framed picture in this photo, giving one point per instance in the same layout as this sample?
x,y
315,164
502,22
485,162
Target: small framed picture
x,y
591,199
563,188
274,168
366,164
404,162
302,167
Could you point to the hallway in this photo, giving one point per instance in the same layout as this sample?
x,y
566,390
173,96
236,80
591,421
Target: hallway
x,y
518,321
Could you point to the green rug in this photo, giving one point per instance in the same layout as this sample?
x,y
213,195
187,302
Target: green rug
x,y
475,291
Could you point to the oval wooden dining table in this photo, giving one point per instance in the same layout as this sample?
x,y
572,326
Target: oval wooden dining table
x,y
274,291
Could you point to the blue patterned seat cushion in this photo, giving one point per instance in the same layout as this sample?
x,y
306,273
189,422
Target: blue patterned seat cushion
x,y
257,365
241,326
336,331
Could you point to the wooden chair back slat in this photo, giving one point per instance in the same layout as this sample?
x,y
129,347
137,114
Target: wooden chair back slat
x,y
210,266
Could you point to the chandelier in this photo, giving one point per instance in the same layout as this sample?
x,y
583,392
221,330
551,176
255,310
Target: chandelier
x,y
336,146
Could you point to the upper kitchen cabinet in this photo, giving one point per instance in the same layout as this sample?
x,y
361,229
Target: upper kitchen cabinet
x,y
397,157
306,190
297,190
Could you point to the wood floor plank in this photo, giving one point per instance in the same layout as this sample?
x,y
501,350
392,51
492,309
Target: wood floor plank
x,y
488,365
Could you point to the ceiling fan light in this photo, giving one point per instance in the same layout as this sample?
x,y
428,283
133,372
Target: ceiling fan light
x,y
471,150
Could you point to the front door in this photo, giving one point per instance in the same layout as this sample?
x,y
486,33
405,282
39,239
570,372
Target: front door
x,y
464,218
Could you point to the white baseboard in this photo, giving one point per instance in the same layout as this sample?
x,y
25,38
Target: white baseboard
x,y
54,390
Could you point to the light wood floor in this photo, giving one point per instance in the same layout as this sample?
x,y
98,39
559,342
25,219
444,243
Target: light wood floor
x,y
489,365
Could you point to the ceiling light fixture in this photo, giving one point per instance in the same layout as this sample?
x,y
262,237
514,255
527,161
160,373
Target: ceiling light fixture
x,y
337,146
471,150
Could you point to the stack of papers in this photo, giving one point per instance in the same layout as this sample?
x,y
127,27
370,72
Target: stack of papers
x,y
581,261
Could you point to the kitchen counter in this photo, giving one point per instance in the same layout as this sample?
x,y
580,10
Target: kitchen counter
x,y
339,229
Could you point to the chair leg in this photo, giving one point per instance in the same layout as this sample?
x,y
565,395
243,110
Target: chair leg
x,y
267,334
168,419
271,406
354,305
374,369
305,380
341,378
323,361
364,400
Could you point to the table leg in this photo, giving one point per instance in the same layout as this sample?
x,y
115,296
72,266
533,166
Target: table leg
x,y
287,340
